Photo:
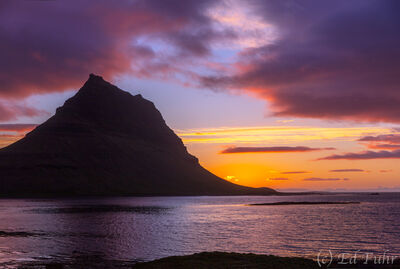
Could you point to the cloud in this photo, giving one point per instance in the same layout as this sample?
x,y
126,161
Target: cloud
x,y
7,139
278,178
324,179
295,172
324,63
390,138
276,134
307,59
232,178
385,171
102,37
384,146
365,155
347,170
284,121
11,111
388,141
270,149
293,190
9,133
52,46
19,128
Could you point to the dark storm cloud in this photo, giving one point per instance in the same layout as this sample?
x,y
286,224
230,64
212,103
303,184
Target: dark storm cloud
x,y
270,149
49,46
332,59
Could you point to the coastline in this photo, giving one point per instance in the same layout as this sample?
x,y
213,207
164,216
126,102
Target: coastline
x,y
214,260
223,260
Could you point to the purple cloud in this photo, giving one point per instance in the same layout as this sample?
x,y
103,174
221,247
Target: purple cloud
x,y
51,46
346,170
390,141
270,149
365,155
324,179
322,63
325,63
278,178
390,138
11,111
295,172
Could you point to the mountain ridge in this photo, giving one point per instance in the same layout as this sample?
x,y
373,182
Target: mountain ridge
x,y
104,141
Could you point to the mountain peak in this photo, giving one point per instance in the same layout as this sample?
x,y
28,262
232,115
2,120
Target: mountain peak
x,y
97,85
105,141
103,107
94,76
96,80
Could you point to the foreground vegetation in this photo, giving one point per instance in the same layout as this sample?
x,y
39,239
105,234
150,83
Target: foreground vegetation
x,y
223,260
204,260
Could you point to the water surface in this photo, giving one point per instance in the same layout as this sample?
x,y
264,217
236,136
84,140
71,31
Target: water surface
x,y
127,230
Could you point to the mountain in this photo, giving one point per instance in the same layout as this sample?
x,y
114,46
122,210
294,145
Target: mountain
x,y
105,141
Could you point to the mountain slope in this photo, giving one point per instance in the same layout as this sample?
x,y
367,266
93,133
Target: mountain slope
x,y
104,141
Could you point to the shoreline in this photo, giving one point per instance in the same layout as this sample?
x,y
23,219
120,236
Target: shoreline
x,y
207,260
279,194
223,260
304,203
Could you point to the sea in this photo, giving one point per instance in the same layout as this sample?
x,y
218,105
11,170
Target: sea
x,y
118,232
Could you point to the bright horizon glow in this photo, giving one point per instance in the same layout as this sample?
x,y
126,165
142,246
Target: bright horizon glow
x,y
255,169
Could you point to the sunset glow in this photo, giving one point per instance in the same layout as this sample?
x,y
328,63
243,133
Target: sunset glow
x,y
259,91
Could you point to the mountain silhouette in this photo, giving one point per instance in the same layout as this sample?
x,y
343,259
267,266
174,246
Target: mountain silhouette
x,y
105,141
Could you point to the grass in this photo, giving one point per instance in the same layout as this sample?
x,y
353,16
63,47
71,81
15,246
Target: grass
x,y
223,260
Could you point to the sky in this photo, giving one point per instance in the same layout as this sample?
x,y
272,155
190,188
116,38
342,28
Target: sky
x,y
293,95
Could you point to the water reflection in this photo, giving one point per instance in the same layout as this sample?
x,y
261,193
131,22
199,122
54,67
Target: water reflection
x,y
99,209
121,231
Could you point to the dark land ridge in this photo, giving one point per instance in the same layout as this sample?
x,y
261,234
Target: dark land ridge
x,y
224,260
304,203
106,142
206,260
